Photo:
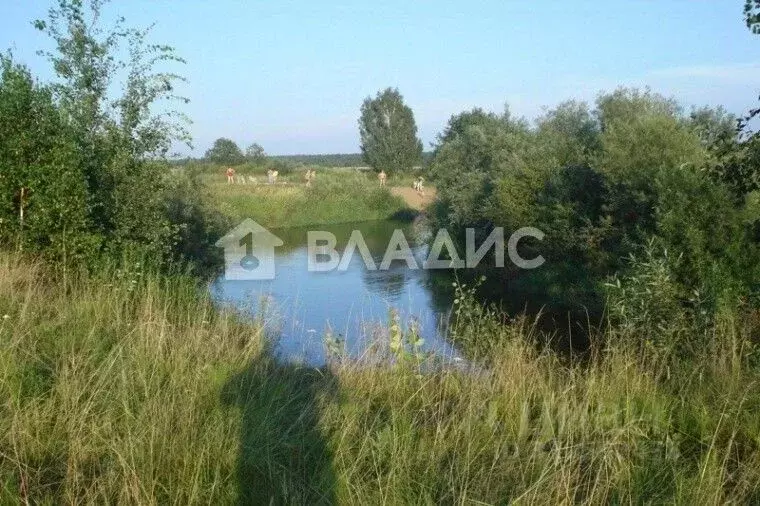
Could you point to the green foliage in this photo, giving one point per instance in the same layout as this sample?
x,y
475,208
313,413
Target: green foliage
x,y
255,154
642,138
326,160
116,138
698,219
646,303
736,164
629,103
388,133
730,160
569,134
752,15
225,152
637,146
713,125
82,159
572,209
42,187
477,151
191,208
405,345
601,185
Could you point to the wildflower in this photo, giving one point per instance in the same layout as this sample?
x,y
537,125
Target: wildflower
x,y
6,316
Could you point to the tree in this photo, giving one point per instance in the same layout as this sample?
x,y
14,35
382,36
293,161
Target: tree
x,y
637,146
732,160
42,190
714,125
475,152
225,152
121,143
752,15
255,153
388,133
740,167
569,134
625,104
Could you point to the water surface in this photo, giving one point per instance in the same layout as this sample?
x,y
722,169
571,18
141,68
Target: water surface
x,y
299,308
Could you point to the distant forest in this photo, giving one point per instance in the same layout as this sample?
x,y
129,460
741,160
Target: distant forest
x,y
324,160
333,160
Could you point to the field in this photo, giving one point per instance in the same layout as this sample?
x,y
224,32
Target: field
x,y
129,387
336,196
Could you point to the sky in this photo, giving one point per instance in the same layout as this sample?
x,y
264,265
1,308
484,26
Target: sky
x,y
291,75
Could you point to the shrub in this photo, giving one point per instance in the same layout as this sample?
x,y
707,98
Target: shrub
x,y
43,192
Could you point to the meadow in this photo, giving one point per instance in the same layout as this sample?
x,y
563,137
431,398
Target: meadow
x,y
337,195
128,386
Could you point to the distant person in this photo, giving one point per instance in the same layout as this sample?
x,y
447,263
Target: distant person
x,y
230,175
382,177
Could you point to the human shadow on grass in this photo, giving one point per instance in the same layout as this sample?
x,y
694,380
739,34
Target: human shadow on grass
x,y
283,457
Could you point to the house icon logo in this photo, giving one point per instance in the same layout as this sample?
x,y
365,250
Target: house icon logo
x,y
249,252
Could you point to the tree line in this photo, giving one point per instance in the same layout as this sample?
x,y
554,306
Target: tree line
x,y
388,133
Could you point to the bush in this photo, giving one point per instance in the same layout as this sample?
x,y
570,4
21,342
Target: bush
x,y
43,192
82,174
196,221
603,185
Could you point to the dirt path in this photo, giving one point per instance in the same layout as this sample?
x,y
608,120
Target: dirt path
x,y
414,199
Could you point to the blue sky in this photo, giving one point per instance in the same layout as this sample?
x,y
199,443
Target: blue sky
x,y
291,75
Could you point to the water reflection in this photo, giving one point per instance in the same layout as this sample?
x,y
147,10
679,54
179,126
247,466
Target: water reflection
x,y
299,307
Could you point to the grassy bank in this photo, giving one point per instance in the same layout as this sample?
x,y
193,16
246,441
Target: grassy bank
x,y
129,388
336,196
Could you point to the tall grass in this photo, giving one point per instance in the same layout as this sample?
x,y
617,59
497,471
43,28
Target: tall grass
x,y
110,388
128,387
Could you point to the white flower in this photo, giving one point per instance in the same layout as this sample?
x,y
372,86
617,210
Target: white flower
x,y
6,316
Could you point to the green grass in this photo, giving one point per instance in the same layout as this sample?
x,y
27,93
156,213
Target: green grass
x,y
337,196
129,387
